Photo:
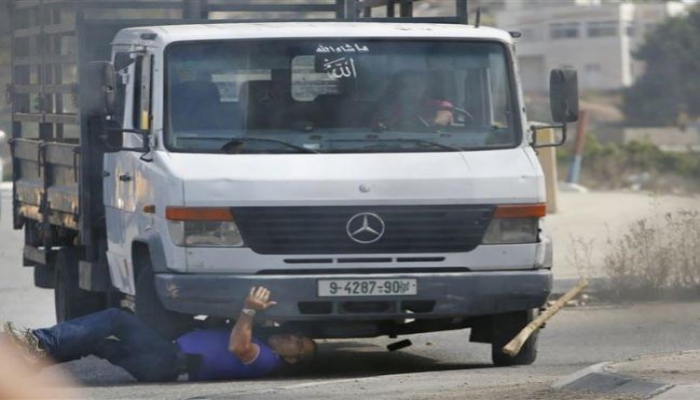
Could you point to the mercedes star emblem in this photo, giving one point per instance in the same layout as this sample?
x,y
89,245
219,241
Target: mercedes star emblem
x,y
365,228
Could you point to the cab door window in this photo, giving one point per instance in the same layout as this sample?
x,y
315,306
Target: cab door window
x,y
142,92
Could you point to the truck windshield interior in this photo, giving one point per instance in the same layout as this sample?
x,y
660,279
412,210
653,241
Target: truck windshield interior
x,y
336,96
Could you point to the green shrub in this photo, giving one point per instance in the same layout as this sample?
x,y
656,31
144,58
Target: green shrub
x,y
608,165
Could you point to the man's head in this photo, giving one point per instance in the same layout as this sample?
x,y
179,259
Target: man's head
x,y
293,348
409,86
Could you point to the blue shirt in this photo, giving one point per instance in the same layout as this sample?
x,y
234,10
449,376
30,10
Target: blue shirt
x,y
218,363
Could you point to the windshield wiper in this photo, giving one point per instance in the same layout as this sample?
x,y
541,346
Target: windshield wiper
x,y
236,144
404,140
428,142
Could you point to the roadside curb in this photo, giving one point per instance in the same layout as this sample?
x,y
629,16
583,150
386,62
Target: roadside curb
x,y
568,380
601,379
604,379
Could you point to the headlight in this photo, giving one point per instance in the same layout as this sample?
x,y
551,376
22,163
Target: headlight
x,y
205,234
512,231
203,227
515,224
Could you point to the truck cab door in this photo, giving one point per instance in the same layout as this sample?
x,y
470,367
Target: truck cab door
x,y
120,171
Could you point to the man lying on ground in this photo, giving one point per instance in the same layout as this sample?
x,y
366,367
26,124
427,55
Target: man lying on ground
x,y
209,354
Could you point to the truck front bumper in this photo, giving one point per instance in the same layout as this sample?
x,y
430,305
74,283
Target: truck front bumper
x,y
467,294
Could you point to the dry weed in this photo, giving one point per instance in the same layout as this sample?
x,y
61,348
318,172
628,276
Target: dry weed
x,y
581,256
655,258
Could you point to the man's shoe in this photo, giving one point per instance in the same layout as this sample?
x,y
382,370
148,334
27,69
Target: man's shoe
x,y
26,342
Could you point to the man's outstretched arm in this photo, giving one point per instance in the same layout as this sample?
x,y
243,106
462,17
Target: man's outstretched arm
x,y
241,340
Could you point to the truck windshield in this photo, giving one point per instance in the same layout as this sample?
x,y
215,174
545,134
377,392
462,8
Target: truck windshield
x,y
336,96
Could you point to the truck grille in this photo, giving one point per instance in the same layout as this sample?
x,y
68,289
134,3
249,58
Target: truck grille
x,y
324,230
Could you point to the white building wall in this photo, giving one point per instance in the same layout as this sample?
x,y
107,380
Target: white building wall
x,y
517,5
601,49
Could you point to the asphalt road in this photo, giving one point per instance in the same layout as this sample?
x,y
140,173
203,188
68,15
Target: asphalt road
x,y
442,365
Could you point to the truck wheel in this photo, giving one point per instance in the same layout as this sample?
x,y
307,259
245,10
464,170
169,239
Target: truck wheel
x,y
506,327
168,324
70,300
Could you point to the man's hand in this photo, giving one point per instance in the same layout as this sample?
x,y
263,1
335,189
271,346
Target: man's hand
x,y
259,299
241,340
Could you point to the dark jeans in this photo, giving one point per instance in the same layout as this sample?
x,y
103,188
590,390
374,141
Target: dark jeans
x,y
117,336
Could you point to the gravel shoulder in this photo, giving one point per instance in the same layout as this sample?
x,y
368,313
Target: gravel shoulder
x,y
679,368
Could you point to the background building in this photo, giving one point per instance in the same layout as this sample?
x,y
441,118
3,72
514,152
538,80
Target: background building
x,y
596,38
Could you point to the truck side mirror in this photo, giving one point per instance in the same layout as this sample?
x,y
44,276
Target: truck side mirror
x,y
563,98
112,136
563,95
100,89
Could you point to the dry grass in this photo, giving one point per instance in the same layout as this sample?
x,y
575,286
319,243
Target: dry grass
x,y
656,259
581,255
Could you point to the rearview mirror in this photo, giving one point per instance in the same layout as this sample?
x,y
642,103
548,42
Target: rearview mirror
x,y
123,60
99,89
112,135
563,95
563,98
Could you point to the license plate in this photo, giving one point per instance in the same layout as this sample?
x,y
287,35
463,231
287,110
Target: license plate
x,y
367,287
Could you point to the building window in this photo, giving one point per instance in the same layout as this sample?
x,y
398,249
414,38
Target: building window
x,y
602,28
566,30
630,28
593,68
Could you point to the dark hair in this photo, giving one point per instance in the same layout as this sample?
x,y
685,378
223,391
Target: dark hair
x,y
309,357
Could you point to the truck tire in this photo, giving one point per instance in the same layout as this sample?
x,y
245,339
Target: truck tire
x,y
70,300
505,328
168,324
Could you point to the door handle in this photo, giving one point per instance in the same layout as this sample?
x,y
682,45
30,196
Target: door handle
x,y
125,178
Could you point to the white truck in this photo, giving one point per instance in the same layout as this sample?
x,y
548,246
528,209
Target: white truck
x,y
376,174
